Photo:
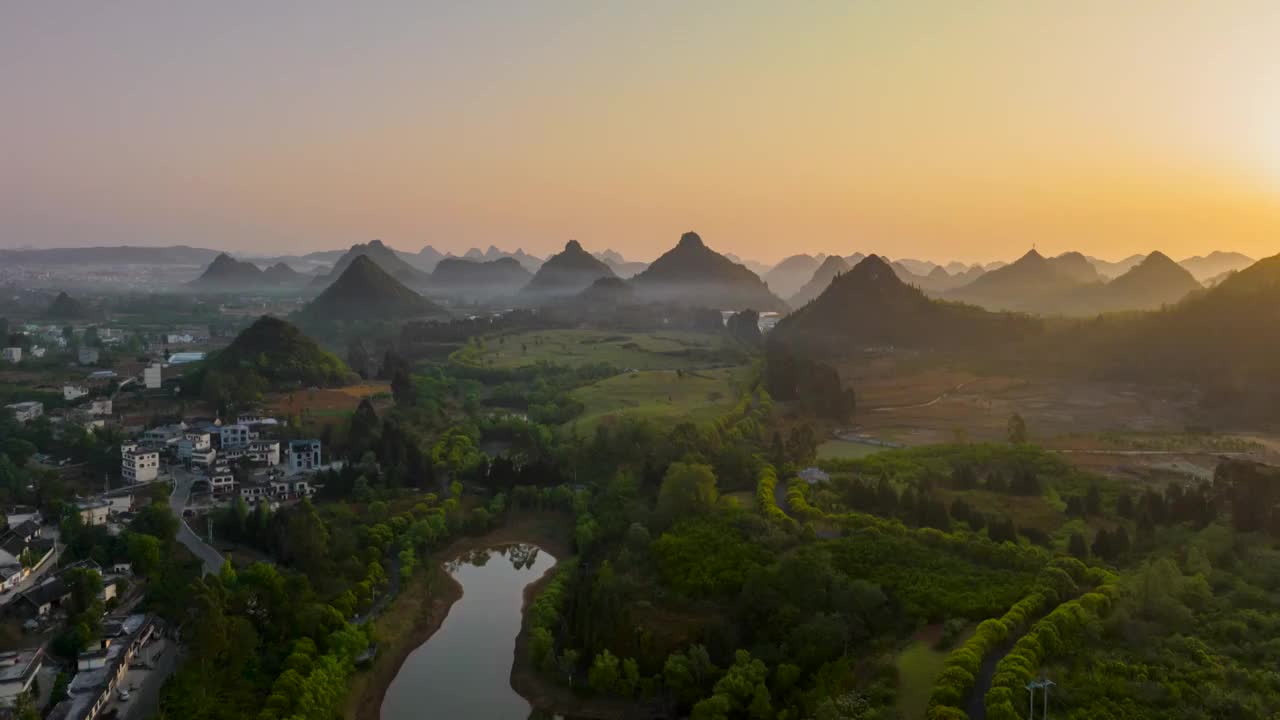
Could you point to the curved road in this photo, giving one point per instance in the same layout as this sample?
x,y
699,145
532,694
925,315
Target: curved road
x,y
211,558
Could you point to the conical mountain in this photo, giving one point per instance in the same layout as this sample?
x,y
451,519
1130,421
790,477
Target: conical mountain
x,y
787,277
279,354
65,307
607,291
1112,270
1154,282
869,306
567,273
386,258
426,259
227,273
365,291
693,274
832,266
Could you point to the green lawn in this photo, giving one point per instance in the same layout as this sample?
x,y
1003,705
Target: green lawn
x,y
918,667
697,396
639,351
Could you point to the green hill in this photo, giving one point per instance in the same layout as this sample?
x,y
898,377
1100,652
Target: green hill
x,y
271,354
365,291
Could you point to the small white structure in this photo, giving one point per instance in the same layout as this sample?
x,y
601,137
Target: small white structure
x,y
183,358
153,376
99,407
304,455
139,466
813,475
235,436
94,512
74,392
12,354
37,352
25,412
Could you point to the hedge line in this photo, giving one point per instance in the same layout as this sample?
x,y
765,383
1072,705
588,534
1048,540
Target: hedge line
x,y
1060,631
960,670
766,486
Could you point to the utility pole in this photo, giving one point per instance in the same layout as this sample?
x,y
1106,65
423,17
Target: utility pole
x,y
1031,700
1046,683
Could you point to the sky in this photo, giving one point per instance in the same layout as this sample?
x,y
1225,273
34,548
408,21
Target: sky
x,y
939,130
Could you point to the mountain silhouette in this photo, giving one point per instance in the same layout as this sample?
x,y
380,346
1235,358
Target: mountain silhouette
x,y
566,273
832,266
1215,263
365,291
282,275
472,280
693,274
1029,283
787,277
869,307
227,273
386,258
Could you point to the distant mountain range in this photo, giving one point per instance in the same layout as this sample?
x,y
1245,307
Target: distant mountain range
x,y
478,280
787,277
693,274
367,292
1215,263
386,258
226,274
115,255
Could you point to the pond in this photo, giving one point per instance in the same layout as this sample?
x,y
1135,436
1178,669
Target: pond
x,y
464,670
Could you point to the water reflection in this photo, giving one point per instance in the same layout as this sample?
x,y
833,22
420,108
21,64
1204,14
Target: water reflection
x,y
464,670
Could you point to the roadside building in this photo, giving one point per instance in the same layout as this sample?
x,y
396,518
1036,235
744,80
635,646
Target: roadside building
x,y
25,412
221,480
264,452
100,668
94,512
139,466
304,455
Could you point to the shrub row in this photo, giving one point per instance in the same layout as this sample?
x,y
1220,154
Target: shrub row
x,y
1056,582
1062,630
767,500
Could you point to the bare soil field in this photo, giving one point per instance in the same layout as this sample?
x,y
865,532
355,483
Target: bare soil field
x,y
329,402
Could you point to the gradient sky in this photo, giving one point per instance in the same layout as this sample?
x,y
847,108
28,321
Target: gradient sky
x,y
914,129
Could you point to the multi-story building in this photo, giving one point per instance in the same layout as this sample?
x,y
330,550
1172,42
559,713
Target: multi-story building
x,y
139,466
153,376
235,436
164,436
265,452
221,480
12,354
193,442
94,512
25,412
87,355
304,455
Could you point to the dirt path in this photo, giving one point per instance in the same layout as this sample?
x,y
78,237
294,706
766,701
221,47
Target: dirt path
x,y
943,396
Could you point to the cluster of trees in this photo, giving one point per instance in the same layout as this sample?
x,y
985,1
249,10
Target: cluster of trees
x,y
812,385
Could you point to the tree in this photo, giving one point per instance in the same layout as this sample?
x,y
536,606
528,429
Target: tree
x,y
687,489
402,387
604,674
144,553
1078,547
1093,501
1017,429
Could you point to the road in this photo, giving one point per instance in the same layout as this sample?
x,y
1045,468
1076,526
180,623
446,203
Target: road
x,y
182,481
144,684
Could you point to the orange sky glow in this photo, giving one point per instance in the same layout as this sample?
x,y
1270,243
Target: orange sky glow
x,y
935,130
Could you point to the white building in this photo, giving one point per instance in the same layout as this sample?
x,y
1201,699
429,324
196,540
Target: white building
x,y
101,406
221,480
178,339
25,412
139,466
153,376
87,356
193,443
94,512
12,354
74,392
235,436
304,455
266,452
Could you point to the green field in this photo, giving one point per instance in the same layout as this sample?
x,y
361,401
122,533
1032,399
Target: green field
x,y
660,394
843,449
638,351
918,667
